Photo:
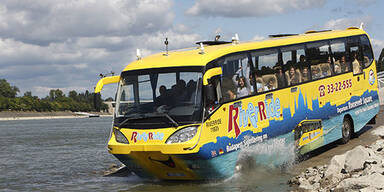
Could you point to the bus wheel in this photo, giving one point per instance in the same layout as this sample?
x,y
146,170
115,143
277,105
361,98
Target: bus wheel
x,y
346,130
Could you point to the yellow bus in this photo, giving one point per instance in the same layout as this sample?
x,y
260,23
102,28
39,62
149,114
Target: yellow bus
x,y
187,114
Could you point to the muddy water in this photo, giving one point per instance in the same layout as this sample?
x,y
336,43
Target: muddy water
x,y
71,155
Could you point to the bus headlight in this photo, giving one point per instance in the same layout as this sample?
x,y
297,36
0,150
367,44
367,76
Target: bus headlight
x,y
182,135
119,136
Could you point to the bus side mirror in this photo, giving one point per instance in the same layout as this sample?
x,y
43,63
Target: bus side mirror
x,y
211,73
105,81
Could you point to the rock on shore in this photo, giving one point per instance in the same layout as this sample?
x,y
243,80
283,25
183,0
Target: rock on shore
x,y
360,169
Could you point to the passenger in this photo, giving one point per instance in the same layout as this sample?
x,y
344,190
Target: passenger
x,y
270,85
163,98
343,64
304,75
355,63
178,92
280,77
302,62
259,83
242,88
337,68
293,77
251,82
326,68
316,73
228,89
230,95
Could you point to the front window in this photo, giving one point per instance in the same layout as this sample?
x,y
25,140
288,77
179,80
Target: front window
x,y
159,99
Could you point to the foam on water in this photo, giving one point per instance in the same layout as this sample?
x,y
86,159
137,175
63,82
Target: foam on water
x,y
274,153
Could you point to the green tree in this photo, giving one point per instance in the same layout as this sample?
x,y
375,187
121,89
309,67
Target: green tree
x,y
55,94
73,94
6,90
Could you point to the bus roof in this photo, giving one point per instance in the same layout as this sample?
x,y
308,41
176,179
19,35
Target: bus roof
x,y
193,57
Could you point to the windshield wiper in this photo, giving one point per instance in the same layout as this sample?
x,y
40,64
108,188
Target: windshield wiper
x,y
128,119
170,119
141,116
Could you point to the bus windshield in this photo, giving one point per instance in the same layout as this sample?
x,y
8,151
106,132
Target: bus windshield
x,y
159,100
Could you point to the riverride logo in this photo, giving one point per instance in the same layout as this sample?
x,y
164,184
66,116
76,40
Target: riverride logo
x,y
146,136
262,110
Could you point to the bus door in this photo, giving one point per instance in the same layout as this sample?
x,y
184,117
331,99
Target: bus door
x,y
355,59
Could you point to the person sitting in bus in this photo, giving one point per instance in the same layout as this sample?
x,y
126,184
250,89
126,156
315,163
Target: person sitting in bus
x,y
293,78
228,90
302,61
270,85
325,69
337,68
316,72
355,64
258,82
178,92
163,98
304,75
343,64
279,76
242,88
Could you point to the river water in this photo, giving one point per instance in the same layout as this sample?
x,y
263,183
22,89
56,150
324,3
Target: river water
x,y
71,155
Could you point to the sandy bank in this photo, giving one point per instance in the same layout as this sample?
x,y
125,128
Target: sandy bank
x,y
27,115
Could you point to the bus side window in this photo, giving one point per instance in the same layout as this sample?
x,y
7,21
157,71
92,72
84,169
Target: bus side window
x,y
355,54
266,74
367,50
339,54
320,59
295,64
235,81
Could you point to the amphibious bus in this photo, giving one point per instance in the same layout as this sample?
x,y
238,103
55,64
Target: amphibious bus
x,y
187,114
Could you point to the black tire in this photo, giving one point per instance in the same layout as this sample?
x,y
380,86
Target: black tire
x,y
346,130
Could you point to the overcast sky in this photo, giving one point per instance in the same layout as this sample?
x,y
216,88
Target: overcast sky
x,y
65,44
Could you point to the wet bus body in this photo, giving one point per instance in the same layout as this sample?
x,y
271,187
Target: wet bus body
x,y
187,114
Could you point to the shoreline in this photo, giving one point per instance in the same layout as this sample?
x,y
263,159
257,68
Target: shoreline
x,y
358,169
27,115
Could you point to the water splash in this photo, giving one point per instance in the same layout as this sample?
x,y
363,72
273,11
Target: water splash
x,y
273,153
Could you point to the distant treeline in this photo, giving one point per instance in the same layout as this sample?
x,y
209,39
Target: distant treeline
x,y
55,101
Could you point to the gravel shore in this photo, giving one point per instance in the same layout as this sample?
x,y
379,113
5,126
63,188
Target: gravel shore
x,y
359,169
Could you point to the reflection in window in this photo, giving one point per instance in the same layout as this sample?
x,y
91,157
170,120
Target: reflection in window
x,y
339,54
367,50
320,59
235,79
295,64
265,71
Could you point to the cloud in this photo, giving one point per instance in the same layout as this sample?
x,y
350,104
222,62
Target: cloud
x,y
250,8
258,38
343,23
57,20
66,44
